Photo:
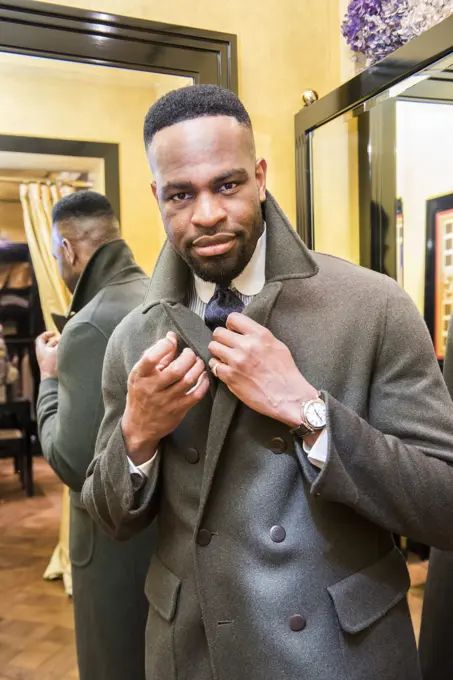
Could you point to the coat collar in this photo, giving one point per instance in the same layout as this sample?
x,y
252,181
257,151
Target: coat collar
x,y
106,264
286,258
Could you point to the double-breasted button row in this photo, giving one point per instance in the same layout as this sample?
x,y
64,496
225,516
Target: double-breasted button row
x,y
297,622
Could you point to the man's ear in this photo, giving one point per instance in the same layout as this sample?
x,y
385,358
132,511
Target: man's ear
x,y
261,175
69,251
154,190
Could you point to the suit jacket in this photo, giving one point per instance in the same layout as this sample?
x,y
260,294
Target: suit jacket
x,y
435,648
108,577
227,602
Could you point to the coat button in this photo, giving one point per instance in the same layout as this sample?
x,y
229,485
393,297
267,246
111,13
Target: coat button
x,y
278,534
297,623
204,537
278,445
192,456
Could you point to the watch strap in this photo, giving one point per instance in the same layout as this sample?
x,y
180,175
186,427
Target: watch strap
x,y
301,430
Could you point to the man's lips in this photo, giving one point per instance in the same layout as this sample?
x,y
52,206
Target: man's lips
x,y
209,246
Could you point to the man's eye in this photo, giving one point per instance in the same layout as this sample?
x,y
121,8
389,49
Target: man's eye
x,y
228,186
183,196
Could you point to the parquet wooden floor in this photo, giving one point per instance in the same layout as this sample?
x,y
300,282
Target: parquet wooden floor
x,y
36,620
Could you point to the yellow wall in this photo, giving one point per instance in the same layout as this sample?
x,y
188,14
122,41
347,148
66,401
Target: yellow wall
x,y
284,48
336,173
45,98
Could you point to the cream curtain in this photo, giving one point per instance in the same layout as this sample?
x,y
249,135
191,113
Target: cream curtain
x,y
37,201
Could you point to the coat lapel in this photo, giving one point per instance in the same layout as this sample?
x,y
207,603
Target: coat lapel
x,y
225,402
193,331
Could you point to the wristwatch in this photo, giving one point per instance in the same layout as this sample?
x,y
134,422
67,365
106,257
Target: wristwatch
x,y
313,417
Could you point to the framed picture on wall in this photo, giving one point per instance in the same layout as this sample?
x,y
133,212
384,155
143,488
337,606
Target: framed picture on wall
x,y
439,269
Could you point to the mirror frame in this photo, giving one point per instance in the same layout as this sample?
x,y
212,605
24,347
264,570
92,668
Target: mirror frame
x,y
416,55
106,151
40,29
53,31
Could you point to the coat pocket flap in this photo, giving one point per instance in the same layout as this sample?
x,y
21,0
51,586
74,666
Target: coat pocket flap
x,y
162,589
364,597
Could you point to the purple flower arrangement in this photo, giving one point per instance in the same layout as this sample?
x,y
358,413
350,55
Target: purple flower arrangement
x,y
375,28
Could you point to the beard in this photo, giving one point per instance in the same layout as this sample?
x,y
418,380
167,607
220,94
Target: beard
x,y
223,269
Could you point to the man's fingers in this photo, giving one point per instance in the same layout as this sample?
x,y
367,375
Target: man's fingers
x,y
154,356
242,324
222,352
199,390
168,358
44,338
189,379
227,337
178,368
222,371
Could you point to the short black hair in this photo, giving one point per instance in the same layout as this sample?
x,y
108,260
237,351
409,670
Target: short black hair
x,y
82,205
194,101
86,216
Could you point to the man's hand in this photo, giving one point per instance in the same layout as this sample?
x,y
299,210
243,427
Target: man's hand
x,y
161,390
259,370
46,354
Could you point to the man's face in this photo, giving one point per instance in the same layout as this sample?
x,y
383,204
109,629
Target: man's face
x,y
65,258
210,189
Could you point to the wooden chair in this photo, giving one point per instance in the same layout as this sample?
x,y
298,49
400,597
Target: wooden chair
x,y
15,439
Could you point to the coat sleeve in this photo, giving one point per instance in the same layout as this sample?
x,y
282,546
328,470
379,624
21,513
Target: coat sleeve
x,y
396,466
109,493
70,409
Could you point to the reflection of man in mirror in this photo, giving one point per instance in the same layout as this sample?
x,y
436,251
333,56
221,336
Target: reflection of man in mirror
x,y
285,415
108,577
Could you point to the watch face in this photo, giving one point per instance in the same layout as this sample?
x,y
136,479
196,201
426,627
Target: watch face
x,y
315,413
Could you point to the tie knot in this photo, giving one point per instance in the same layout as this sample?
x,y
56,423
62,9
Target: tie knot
x,y
223,303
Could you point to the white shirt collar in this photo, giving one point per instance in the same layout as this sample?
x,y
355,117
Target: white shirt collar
x,y
250,282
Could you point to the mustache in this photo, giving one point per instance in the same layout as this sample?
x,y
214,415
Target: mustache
x,y
213,235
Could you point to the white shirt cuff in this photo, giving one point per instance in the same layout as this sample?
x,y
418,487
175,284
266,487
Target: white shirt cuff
x,y
317,454
144,469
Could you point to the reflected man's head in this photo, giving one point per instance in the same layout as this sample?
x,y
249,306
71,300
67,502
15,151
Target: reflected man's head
x,y
81,223
208,183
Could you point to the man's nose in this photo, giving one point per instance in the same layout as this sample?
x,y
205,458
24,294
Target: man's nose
x,y
208,211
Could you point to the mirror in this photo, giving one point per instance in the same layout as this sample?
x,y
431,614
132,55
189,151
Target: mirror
x,y
336,188
424,146
383,189
46,99
66,126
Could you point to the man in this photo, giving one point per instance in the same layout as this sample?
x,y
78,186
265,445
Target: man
x,y
108,578
275,506
435,648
